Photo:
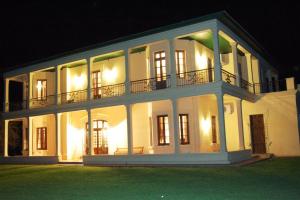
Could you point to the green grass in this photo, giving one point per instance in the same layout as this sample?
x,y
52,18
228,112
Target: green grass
x,y
273,179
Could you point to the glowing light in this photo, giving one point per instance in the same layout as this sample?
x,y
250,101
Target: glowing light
x,y
201,61
75,143
39,85
79,81
205,125
117,137
110,75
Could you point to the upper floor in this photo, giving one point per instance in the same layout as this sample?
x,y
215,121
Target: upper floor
x,y
198,52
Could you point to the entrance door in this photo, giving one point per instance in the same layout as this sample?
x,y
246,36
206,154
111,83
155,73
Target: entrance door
x,y
15,97
160,70
15,138
258,134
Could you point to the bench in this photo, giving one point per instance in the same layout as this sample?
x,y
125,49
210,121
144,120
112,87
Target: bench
x,y
124,151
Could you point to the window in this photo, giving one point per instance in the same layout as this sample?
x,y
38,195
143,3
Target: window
x,y
213,129
184,128
160,66
41,89
180,62
99,137
210,70
96,78
41,135
163,130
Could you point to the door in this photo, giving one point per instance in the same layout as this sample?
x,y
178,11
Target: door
x,y
160,70
15,138
258,134
210,70
96,78
15,97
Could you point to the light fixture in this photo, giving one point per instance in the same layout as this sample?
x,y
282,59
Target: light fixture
x,y
205,125
110,75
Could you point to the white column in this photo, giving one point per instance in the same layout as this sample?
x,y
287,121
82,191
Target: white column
x,y
90,126
30,147
28,91
127,72
172,63
88,63
6,137
175,126
217,62
56,85
57,130
129,128
239,110
5,82
249,67
235,62
221,117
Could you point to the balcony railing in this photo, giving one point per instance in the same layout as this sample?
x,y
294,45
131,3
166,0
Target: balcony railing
x,y
73,97
228,77
108,91
43,101
195,77
270,86
16,106
148,85
246,85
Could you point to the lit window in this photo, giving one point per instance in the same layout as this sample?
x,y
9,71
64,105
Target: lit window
x,y
41,135
160,66
41,89
100,143
163,130
184,128
96,78
180,62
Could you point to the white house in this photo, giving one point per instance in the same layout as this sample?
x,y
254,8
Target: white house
x,y
198,92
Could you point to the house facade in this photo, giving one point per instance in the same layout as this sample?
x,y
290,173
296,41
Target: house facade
x,y
198,92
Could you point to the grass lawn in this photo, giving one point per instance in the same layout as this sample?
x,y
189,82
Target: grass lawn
x,y
273,179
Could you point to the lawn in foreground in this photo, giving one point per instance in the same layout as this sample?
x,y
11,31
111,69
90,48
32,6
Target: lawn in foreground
x,y
273,179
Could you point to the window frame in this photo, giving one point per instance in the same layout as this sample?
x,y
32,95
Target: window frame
x,y
162,77
165,142
180,74
42,91
95,82
41,138
181,131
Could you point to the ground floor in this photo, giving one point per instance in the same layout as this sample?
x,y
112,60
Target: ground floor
x,y
206,129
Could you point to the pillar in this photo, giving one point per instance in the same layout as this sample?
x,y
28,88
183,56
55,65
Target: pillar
x,y
90,126
217,62
129,128
30,140
6,138
57,130
175,126
88,63
221,117
239,110
127,72
250,70
56,85
172,63
28,91
235,63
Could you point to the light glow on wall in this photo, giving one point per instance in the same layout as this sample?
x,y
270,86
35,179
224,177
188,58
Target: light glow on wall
x,y
75,143
201,61
79,81
117,137
110,75
206,125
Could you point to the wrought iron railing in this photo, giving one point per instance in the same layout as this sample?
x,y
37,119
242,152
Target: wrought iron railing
x,y
73,97
108,91
43,101
195,77
246,85
147,85
228,77
270,86
16,106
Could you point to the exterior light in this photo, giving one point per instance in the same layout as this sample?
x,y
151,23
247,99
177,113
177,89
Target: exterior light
x,y
205,125
110,75
79,81
201,61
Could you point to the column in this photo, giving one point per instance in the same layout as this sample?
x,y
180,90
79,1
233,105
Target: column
x,y
56,85
239,110
88,63
5,97
28,91
129,128
250,70
172,64
221,117
57,129
176,126
30,136
235,63
6,138
90,126
127,72
217,62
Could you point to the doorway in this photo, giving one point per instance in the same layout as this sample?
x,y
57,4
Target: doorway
x,y
257,129
15,97
15,138
160,70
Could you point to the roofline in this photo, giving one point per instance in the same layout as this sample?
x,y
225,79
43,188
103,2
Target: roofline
x,y
222,16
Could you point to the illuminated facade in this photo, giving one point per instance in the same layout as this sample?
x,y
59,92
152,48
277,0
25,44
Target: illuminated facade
x,y
199,92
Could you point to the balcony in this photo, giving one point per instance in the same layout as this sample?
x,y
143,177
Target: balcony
x,y
195,77
151,84
73,97
108,91
16,106
43,101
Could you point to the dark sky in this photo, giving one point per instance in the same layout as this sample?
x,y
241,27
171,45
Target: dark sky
x,y
39,29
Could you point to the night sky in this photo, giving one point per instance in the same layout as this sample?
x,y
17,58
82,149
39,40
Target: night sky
x,y
35,30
